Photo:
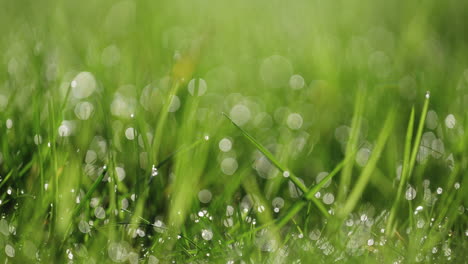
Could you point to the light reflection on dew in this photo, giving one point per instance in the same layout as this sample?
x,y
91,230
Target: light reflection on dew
x,y
439,190
296,82
83,226
83,85
328,198
9,123
362,156
450,121
120,173
225,145
229,166
174,105
198,85
83,110
207,234
37,139
240,114
100,213
204,196
130,133
320,177
315,234
10,251
410,193
294,121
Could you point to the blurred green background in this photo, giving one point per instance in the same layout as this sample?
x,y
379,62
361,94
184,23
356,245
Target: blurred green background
x,y
114,146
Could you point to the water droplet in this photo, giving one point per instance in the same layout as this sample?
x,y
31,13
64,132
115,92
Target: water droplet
x,y
322,176
83,110
37,139
229,166
225,145
314,234
117,252
83,85
83,226
410,193
9,123
450,121
229,210
328,198
240,114
205,196
99,212
207,234
428,94
175,104
432,120
370,242
294,121
286,174
197,85
362,156
456,185
130,133
296,82
439,190
65,129
9,250
120,173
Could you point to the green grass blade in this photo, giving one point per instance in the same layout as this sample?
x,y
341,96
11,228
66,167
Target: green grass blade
x,y
366,173
403,176
278,165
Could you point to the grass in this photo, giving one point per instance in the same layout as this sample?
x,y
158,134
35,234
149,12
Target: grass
x,y
241,132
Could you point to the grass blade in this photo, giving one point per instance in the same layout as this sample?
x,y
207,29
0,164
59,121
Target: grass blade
x,y
366,173
278,165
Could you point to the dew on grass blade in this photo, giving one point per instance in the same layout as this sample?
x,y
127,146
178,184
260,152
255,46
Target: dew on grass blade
x,y
229,166
204,196
66,128
432,120
100,213
83,110
294,121
37,139
225,145
83,85
197,87
328,198
320,177
240,114
120,173
229,210
362,156
207,234
286,174
439,190
9,250
9,123
315,234
296,82
174,104
450,121
130,133
117,251
410,193
83,226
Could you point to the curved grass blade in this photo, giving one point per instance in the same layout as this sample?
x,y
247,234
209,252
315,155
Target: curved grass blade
x,y
366,173
278,165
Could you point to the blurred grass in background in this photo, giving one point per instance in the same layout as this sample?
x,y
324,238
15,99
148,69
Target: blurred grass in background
x,y
113,144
